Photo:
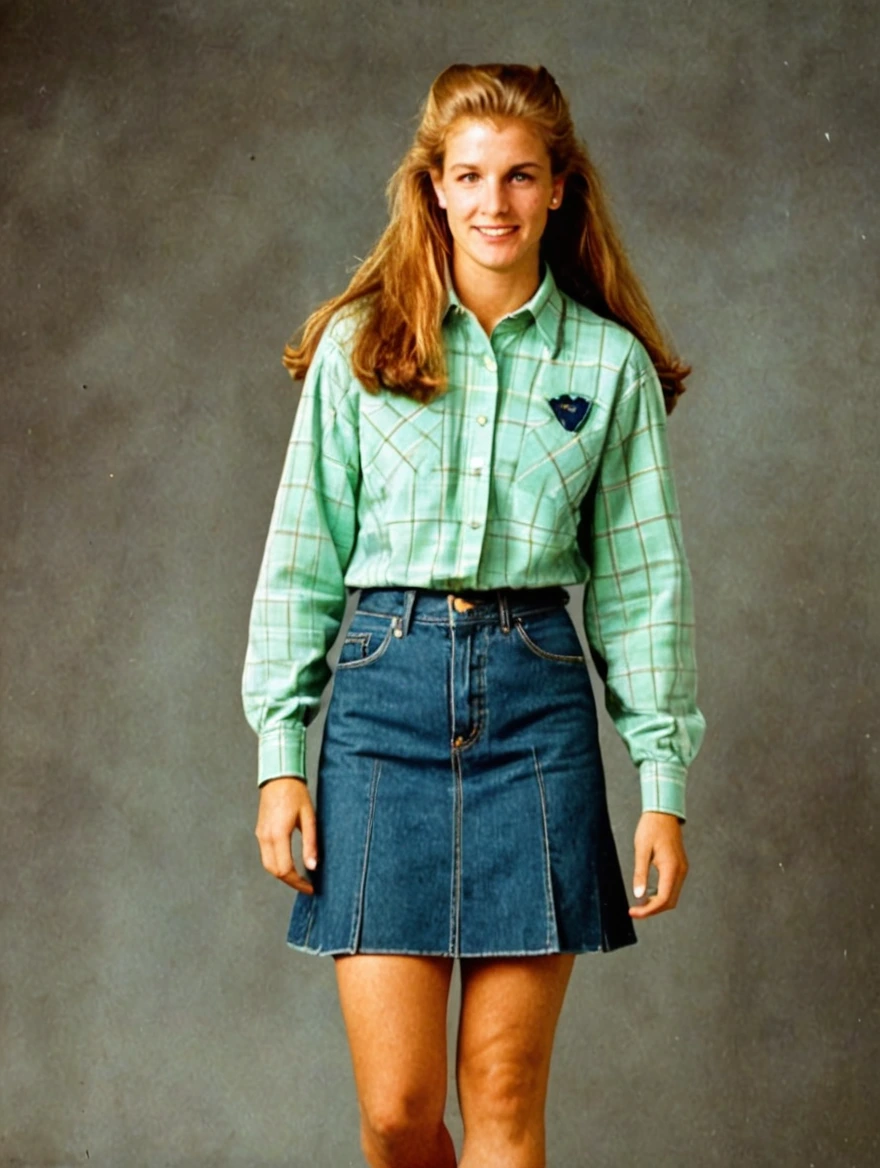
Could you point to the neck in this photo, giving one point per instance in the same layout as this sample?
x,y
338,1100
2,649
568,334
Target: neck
x,y
492,295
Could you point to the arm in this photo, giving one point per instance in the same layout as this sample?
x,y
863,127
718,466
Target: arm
x,y
638,605
300,594
639,620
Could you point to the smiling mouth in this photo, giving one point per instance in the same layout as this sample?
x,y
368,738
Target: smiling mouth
x,y
496,232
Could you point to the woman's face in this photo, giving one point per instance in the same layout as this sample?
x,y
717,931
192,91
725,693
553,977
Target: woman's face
x,y
497,191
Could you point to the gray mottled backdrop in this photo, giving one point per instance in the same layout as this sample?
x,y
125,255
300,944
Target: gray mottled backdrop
x,y
182,183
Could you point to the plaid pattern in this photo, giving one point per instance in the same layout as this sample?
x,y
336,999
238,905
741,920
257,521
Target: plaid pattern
x,y
487,487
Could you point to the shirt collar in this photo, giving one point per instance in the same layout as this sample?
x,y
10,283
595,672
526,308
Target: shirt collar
x,y
546,307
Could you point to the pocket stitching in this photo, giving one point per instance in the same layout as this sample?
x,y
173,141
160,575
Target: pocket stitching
x,y
377,652
567,658
351,638
575,439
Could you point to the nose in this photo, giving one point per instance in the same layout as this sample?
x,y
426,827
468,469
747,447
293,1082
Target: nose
x,y
494,197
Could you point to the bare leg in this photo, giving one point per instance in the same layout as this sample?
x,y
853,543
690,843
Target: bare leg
x,y
509,1010
394,1008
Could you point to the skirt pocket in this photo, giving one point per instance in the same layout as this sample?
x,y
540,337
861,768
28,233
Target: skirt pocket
x,y
551,636
366,641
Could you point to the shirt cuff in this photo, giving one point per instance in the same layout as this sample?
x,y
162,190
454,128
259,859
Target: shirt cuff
x,y
282,751
663,787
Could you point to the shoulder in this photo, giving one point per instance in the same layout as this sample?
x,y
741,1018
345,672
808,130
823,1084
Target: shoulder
x,y
342,327
338,336
330,372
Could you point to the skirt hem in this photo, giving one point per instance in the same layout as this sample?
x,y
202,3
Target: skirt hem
x,y
347,951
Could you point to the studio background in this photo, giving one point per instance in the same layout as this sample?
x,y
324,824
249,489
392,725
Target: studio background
x,y
181,184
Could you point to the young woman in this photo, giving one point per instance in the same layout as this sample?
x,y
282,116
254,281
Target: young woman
x,y
483,420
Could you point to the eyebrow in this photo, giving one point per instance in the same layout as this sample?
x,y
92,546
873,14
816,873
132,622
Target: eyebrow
x,y
475,166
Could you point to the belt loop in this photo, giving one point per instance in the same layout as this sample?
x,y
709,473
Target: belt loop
x,y
409,600
503,610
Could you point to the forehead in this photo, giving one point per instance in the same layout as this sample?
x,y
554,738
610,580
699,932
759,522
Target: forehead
x,y
469,139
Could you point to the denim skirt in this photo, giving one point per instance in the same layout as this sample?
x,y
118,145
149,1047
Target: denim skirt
x,y
460,801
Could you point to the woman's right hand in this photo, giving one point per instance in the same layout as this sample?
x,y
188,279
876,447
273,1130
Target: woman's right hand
x,y
285,803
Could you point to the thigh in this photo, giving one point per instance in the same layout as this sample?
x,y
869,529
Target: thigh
x,y
394,1009
509,1010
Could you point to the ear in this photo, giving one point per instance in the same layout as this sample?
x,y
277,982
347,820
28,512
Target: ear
x,y
558,192
438,189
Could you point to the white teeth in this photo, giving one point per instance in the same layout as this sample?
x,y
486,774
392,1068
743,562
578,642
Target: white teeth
x,y
496,230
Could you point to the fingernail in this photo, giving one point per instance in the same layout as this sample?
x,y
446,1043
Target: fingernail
x,y
639,890
311,862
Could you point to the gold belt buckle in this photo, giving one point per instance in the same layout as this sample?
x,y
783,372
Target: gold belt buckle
x,y
460,604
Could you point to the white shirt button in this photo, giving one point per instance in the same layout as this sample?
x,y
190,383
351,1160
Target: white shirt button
x,y
490,364
475,523
482,419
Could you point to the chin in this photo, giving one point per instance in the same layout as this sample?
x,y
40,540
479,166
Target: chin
x,y
497,257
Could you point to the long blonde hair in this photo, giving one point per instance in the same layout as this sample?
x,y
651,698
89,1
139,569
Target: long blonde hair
x,y
398,342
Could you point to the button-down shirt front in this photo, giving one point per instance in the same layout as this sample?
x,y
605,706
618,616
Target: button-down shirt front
x,y
485,487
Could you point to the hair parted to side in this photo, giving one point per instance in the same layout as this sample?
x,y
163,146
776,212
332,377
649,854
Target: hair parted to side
x,y
401,284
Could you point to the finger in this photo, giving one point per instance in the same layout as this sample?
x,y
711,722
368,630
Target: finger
x,y
667,871
680,874
284,867
666,895
308,827
276,857
298,882
640,872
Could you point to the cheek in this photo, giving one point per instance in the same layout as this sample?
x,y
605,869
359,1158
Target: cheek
x,y
460,206
533,204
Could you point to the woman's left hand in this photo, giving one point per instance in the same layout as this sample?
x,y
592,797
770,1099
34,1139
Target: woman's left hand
x,y
658,841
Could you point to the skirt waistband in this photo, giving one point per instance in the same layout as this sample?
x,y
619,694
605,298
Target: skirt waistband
x,y
437,604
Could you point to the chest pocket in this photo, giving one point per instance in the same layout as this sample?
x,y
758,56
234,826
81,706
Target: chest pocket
x,y
399,437
559,464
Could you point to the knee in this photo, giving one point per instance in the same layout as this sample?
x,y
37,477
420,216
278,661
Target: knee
x,y
398,1124
505,1091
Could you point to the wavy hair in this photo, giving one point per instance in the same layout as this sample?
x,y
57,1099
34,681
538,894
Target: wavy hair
x,y
401,285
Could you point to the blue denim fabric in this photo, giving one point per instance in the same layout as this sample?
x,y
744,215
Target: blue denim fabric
x,y
461,802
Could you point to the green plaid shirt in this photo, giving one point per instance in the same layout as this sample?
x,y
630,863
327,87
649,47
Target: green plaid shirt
x,y
486,487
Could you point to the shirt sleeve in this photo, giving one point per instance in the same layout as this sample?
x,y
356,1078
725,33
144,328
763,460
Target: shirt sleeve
x,y
300,594
638,601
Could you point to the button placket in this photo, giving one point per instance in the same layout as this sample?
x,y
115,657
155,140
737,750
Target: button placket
x,y
476,455
478,479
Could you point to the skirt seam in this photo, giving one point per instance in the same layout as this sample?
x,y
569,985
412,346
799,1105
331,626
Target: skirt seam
x,y
359,914
552,924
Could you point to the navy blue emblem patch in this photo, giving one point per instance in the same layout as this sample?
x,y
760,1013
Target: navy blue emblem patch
x,y
571,411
